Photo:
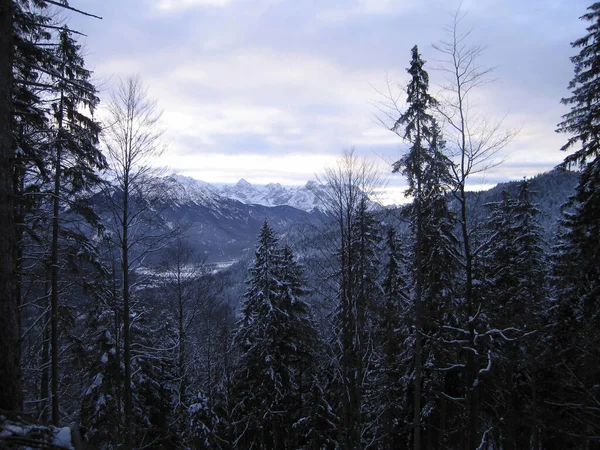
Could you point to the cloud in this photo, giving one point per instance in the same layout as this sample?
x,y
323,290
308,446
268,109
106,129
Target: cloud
x,y
267,80
178,5
256,168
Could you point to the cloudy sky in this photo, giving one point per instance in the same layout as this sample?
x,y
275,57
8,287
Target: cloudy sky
x,y
273,90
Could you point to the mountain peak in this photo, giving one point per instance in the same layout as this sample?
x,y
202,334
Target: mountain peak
x,y
243,183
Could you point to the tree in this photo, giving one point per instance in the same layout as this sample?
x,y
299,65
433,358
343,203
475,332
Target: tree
x,y
513,274
185,304
475,145
428,172
132,139
101,400
346,192
576,269
394,331
76,160
27,63
10,387
276,338
418,124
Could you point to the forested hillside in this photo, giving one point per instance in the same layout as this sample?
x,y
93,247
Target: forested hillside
x,y
140,310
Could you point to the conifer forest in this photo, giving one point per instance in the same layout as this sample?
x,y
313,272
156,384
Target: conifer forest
x,y
458,320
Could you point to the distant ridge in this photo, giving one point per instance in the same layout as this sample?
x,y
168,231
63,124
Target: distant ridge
x,y
305,198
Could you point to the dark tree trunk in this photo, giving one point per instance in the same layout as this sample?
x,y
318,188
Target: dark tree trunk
x,y
54,289
10,376
45,360
418,323
128,401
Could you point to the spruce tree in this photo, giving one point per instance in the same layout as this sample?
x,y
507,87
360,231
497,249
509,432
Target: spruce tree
x,y
576,269
428,174
10,387
76,162
393,330
514,268
275,338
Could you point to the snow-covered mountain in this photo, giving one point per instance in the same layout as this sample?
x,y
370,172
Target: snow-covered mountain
x,y
222,222
305,198
222,226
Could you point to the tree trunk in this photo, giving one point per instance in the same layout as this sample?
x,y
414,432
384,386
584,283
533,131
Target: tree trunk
x,y
10,373
418,323
45,359
128,403
472,390
535,437
54,286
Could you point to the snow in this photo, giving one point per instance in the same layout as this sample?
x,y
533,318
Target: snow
x,y
95,383
184,189
9,429
63,438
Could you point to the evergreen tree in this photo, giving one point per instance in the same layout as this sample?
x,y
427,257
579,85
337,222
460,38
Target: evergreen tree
x,y
576,269
76,161
102,399
359,322
514,268
55,159
428,174
10,389
392,416
275,337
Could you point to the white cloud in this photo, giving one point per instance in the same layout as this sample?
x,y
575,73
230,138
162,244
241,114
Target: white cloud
x,y
260,76
256,168
177,5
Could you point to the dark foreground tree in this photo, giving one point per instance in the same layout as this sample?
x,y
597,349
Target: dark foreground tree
x,y
348,187
10,379
476,145
576,270
428,172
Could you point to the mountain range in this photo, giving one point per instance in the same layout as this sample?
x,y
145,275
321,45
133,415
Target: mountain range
x,y
305,198
221,222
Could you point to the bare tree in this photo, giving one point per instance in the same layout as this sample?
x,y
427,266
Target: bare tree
x,y
477,144
132,140
182,288
347,187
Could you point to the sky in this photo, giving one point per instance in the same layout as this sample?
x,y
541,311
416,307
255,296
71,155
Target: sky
x,y
275,90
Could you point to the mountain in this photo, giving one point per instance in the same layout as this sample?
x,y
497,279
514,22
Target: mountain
x,y
222,227
549,192
304,197
221,222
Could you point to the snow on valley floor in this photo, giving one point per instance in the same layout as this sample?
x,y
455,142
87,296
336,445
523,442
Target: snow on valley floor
x,y
186,271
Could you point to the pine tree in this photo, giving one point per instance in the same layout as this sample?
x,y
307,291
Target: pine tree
x,y
275,337
393,329
10,388
102,398
76,161
514,268
576,270
428,174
